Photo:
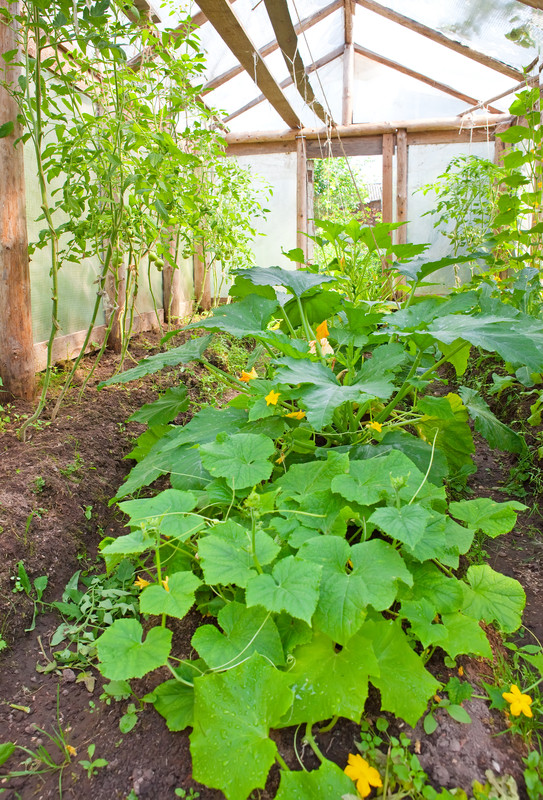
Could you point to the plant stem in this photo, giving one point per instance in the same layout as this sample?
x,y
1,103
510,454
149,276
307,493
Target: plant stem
x,y
312,743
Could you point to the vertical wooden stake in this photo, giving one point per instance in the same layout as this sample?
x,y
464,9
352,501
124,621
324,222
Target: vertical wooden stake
x,y
348,64
301,196
401,185
388,189
202,279
16,343
171,285
310,207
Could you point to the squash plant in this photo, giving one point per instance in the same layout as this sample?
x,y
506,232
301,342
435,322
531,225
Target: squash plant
x,y
309,517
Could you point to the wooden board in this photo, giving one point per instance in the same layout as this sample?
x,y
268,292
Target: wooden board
x,y
226,23
364,146
301,196
401,185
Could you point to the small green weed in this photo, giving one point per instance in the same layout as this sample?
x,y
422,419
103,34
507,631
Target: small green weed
x,y
188,794
34,591
38,484
92,765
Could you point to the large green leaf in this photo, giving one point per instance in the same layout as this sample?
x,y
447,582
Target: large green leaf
x,y
167,407
230,746
247,317
464,636
484,514
447,425
132,544
123,653
346,591
175,600
297,280
518,340
446,594
327,683
322,401
404,683
418,269
243,459
313,476
493,596
296,370
174,699
226,553
190,351
246,631
418,451
406,524
370,481
498,435
328,781
166,510
293,587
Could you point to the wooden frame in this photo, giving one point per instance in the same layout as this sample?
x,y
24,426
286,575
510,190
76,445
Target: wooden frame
x,y
272,46
348,63
225,21
440,38
16,343
301,196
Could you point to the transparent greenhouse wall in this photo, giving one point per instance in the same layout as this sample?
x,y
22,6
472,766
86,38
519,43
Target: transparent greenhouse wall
x,y
425,163
279,226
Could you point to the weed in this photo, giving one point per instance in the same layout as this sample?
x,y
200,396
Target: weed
x,y
38,484
34,591
92,765
188,794
72,469
88,512
533,775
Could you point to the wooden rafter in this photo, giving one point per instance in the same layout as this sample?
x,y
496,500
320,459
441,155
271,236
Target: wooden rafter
x,y
533,3
272,46
530,81
287,82
348,63
145,10
226,23
387,62
287,40
440,38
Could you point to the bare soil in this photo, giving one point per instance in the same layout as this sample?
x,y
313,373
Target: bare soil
x,y
54,494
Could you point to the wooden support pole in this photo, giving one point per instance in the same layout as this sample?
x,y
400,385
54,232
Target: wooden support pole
x,y
301,196
401,185
202,279
348,64
388,188
171,285
16,346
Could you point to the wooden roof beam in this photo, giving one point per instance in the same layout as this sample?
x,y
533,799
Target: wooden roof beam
x,y
272,46
442,87
226,23
145,10
436,36
287,82
287,40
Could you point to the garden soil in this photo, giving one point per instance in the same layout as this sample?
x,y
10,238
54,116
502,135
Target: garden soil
x,y
54,494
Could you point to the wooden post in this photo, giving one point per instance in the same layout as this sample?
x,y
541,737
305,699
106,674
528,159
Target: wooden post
x,y
16,345
171,285
310,207
348,64
202,279
388,189
301,196
401,185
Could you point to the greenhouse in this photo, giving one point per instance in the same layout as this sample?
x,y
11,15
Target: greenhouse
x,y
271,369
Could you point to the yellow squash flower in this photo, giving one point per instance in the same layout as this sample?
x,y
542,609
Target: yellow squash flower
x,y
359,771
520,703
165,584
322,331
248,376
375,426
296,414
71,750
141,583
272,398
326,347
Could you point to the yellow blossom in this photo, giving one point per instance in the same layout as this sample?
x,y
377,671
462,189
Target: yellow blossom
x,y
71,750
520,703
376,426
539,185
280,459
165,584
460,670
322,331
359,771
248,376
437,698
141,583
272,398
326,347
296,414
